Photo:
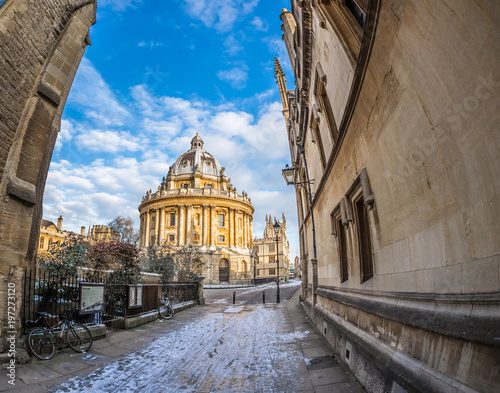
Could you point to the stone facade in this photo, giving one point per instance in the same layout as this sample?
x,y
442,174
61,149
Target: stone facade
x,y
265,248
395,117
41,45
51,233
196,204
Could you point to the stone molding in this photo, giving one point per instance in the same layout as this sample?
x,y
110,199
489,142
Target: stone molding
x,y
450,315
417,374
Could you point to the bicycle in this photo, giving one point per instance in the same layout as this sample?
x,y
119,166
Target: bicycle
x,y
42,340
165,310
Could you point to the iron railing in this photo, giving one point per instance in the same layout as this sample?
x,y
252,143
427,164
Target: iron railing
x,y
54,294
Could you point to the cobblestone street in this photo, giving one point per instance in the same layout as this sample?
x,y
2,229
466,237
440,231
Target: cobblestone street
x,y
219,347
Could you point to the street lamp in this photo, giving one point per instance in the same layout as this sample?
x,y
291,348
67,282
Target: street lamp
x,y
276,227
289,176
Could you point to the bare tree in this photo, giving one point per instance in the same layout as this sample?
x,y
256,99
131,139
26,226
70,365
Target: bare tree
x,y
125,227
155,259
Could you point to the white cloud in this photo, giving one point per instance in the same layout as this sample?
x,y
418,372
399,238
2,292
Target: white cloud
x,y
236,76
150,44
233,47
92,94
118,5
108,141
278,48
65,134
219,14
259,24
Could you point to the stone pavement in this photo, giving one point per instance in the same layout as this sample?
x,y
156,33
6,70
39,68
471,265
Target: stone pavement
x,y
211,348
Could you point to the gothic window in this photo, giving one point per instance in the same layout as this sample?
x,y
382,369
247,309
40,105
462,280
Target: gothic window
x,y
364,240
339,231
324,102
42,242
358,10
317,136
221,220
348,19
172,219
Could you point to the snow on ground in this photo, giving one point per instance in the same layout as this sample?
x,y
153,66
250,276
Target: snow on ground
x,y
252,350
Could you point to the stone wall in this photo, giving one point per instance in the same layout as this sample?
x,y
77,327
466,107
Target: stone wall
x,y
41,45
406,115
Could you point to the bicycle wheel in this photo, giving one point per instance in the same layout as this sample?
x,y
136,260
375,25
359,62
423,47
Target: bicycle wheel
x,y
79,337
41,343
166,312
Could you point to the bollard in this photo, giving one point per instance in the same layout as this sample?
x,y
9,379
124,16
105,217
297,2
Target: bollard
x,y
263,298
234,297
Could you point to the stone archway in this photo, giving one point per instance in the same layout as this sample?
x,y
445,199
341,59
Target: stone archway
x,y
224,270
39,58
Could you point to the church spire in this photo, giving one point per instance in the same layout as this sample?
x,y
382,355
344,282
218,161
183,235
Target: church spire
x,y
281,81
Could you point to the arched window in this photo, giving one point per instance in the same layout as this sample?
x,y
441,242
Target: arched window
x,y
223,270
42,242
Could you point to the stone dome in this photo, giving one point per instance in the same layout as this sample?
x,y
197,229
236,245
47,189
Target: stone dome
x,y
197,157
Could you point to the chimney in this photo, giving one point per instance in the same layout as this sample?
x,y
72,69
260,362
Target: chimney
x,y
59,223
82,231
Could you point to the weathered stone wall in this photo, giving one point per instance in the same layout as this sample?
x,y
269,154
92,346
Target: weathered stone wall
x,y
41,45
417,110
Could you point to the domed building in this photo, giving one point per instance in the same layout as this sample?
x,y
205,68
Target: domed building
x,y
196,204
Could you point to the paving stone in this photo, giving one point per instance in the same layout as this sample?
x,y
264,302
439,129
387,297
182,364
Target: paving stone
x,y
317,352
35,373
328,376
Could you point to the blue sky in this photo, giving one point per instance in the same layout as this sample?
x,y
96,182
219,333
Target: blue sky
x,y
157,73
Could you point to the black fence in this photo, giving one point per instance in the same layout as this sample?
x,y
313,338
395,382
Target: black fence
x,y
54,294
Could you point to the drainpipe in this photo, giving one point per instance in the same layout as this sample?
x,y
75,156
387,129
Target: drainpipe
x,y
314,260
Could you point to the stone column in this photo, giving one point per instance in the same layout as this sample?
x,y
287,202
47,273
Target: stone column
x,y
235,228
250,231
203,224
181,225
146,242
213,224
230,227
244,230
162,226
189,224
157,226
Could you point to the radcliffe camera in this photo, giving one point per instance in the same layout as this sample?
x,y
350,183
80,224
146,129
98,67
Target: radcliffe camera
x,y
236,196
